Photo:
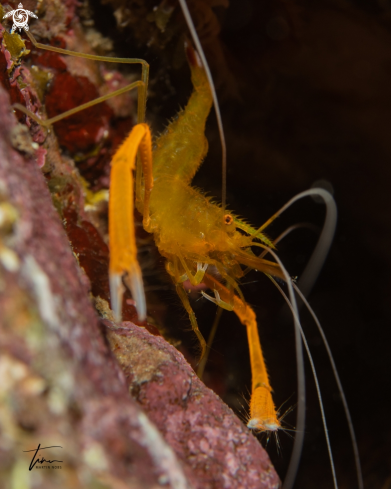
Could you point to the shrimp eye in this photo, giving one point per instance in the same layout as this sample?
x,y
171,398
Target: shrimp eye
x,y
228,219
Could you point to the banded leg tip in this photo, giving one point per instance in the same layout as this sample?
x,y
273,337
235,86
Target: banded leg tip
x,y
134,282
116,294
269,424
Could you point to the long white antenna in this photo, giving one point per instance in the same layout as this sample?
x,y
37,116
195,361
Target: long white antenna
x,y
300,419
340,388
198,46
326,432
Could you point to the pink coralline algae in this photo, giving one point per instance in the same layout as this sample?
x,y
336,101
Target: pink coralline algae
x,y
215,448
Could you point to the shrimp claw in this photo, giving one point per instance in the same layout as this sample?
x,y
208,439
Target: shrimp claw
x,y
123,251
218,301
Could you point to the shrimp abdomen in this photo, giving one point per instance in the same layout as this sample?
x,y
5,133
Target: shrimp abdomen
x,y
180,150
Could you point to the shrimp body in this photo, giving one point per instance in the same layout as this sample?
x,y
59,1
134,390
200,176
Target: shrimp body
x,y
183,220
193,232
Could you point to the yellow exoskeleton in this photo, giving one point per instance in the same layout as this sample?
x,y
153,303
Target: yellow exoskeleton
x,y
192,232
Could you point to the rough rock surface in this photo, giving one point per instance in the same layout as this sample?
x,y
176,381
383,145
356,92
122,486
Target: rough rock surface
x,y
214,447
60,384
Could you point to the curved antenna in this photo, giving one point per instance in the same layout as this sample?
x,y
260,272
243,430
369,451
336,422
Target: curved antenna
x,y
340,388
300,419
308,279
316,382
196,40
318,257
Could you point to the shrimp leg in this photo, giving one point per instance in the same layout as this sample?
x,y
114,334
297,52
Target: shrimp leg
x,y
123,256
178,279
263,416
186,304
141,84
123,251
201,269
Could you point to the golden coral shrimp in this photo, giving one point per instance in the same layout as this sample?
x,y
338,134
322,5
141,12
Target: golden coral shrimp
x,y
194,233
191,231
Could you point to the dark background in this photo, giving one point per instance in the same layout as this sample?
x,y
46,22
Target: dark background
x,y
304,89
